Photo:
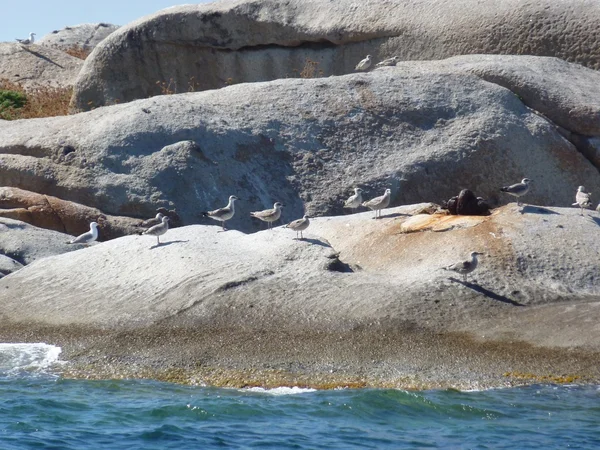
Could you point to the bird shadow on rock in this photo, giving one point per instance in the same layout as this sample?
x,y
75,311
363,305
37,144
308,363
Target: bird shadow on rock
x,y
392,215
530,209
596,220
45,58
486,292
164,244
315,242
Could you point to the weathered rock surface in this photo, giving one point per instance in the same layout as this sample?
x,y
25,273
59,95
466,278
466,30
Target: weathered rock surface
x,y
424,129
209,46
25,244
353,276
52,213
86,36
35,65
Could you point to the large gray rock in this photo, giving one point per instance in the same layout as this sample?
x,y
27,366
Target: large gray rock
x,y
25,243
281,300
85,36
424,129
208,46
34,66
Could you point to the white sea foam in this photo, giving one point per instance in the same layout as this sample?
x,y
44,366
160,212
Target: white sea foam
x,y
38,357
281,390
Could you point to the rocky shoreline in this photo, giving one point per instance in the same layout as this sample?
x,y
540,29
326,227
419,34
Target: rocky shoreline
x,y
282,314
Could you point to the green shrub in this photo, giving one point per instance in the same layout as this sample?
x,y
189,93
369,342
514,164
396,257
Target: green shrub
x,y
9,102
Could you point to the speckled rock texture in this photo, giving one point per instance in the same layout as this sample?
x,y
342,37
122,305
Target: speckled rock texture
x,y
424,129
85,36
209,46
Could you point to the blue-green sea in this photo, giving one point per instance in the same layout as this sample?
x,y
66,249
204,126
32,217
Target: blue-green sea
x,y
39,410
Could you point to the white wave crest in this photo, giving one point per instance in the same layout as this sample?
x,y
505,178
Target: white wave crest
x,y
294,390
23,357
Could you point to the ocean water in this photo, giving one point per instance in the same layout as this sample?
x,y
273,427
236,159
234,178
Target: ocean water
x,y
41,411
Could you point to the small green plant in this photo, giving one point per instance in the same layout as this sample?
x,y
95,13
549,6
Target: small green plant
x,y
10,101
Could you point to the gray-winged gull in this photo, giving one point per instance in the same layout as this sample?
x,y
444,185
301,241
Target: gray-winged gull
x,y
465,267
518,189
153,221
379,203
158,230
299,225
88,237
31,40
269,215
223,214
583,199
354,201
388,62
364,64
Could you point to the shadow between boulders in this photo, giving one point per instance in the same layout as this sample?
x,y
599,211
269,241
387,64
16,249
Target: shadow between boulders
x,y
486,292
530,209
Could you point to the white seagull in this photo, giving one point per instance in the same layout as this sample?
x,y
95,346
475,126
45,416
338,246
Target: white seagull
x,y
379,203
88,237
158,230
388,62
223,214
364,64
465,267
518,189
583,199
269,215
354,201
31,40
299,225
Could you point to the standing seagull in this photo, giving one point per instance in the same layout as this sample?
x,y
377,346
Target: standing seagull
x,y
583,199
364,64
355,200
223,214
158,230
269,215
465,267
388,62
88,237
299,225
517,190
31,40
379,203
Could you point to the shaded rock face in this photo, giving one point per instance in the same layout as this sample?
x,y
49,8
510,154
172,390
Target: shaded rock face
x,y
204,46
35,65
45,211
86,36
425,130
24,244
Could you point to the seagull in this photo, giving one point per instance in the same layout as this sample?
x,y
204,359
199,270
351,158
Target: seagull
x,y
31,40
364,64
465,267
388,62
269,215
223,214
517,190
158,230
582,199
299,225
598,207
88,237
379,203
355,200
151,222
